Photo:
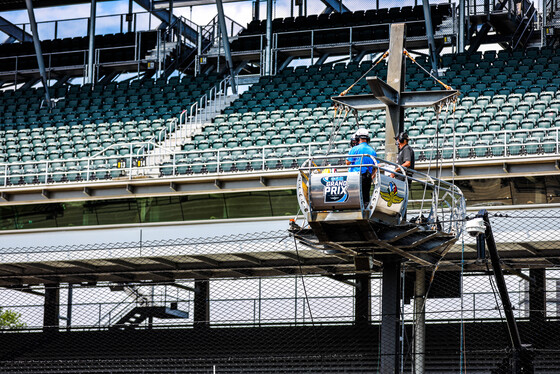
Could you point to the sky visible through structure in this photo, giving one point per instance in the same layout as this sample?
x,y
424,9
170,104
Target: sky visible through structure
x,y
76,16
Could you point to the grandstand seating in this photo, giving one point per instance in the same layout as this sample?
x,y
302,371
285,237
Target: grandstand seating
x,y
283,119
333,28
73,51
290,113
87,120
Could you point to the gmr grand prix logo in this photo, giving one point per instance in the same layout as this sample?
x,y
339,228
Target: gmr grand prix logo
x,y
336,189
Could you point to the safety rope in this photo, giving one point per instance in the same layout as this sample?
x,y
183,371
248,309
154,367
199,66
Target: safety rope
x,y
447,87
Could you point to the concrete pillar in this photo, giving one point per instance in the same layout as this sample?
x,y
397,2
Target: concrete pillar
x,y
202,304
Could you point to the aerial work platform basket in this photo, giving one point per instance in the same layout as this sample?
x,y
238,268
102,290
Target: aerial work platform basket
x,y
421,228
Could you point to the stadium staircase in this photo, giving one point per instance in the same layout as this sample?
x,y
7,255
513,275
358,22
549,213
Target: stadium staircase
x,y
139,314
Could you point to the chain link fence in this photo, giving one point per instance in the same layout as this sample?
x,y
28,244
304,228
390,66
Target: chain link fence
x,y
264,302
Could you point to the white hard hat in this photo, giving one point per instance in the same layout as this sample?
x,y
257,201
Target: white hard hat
x,y
362,133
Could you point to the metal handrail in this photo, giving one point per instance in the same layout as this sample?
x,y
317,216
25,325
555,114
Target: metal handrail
x,y
158,148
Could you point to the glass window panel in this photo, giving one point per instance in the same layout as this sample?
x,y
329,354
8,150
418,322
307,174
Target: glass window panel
x,y
487,192
249,204
528,190
197,207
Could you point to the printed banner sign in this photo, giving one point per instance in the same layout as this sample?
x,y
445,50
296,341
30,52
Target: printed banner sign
x,y
335,189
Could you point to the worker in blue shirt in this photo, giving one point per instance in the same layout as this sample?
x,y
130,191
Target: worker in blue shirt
x,y
367,172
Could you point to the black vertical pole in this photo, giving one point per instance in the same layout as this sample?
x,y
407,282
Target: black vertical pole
x,y
390,316
202,303
537,295
51,307
363,304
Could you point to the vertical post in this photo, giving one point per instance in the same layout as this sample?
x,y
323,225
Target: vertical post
x,y
461,31
268,48
69,308
129,15
430,35
225,41
363,305
198,51
390,316
395,79
256,9
51,307
537,295
420,325
170,12
202,303
91,41
38,51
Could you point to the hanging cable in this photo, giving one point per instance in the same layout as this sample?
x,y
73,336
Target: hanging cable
x,y
447,87
343,93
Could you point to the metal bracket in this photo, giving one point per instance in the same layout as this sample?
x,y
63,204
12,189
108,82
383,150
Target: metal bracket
x,y
87,191
45,193
218,183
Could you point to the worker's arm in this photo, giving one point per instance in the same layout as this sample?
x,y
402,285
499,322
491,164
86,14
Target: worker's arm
x,y
406,164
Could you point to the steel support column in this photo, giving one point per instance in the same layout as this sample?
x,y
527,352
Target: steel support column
x,y
430,35
38,51
461,31
201,303
268,48
390,316
225,41
537,295
362,298
51,307
91,50
395,78
420,321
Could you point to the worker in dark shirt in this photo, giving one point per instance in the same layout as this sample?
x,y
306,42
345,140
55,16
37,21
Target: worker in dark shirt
x,y
405,157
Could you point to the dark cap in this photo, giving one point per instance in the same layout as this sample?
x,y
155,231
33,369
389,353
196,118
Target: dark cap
x,y
402,136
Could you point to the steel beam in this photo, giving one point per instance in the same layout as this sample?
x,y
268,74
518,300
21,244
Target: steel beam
x,y
395,78
162,14
430,35
335,6
13,31
38,51
390,316
225,42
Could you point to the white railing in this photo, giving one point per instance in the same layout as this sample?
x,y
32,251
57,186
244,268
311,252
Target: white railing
x,y
177,131
133,160
204,108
